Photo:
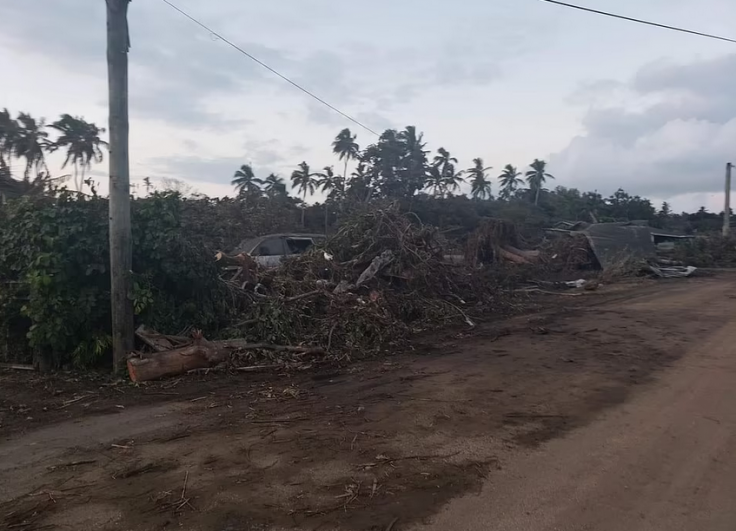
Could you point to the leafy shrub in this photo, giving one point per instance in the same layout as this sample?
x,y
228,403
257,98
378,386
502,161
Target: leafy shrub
x,y
712,250
55,281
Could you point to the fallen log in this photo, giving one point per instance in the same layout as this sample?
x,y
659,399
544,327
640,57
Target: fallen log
x,y
153,339
512,257
199,355
529,255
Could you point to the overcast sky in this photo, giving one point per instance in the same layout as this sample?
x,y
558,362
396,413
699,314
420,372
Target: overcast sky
x,y
608,103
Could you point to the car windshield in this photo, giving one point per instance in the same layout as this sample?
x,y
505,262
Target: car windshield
x,y
298,245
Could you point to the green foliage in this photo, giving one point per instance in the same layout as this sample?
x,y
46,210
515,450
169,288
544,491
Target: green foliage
x,y
55,275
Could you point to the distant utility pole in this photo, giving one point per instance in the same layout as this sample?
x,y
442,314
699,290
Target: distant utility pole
x,y
121,255
727,202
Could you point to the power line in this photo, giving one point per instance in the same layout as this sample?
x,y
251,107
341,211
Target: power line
x,y
639,21
264,65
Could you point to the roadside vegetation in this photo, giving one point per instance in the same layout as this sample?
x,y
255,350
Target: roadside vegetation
x,y
54,269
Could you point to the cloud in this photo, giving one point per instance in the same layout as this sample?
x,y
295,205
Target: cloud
x,y
181,75
671,134
175,69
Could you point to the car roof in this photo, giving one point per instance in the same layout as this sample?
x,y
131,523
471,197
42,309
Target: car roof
x,y
248,245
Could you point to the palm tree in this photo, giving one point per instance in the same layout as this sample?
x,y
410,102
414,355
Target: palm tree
x,y
360,184
334,186
244,180
82,142
509,181
303,180
480,186
346,148
537,176
274,185
435,180
9,132
450,179
414,163
443,158
31,143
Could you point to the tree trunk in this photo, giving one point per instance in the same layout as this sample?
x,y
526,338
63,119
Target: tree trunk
x,y
304,208
327,216
121,258
536,196
199,355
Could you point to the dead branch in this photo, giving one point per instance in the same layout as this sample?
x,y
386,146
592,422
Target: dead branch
x,y
242,344
17,367
303,295
378,263
257,368
153,339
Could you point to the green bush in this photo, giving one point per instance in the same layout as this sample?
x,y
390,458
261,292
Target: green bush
x,y
55,283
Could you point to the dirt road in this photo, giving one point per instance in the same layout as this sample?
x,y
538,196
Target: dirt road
x,y
609,411
663,461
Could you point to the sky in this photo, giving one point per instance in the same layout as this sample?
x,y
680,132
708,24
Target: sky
x,y
607,103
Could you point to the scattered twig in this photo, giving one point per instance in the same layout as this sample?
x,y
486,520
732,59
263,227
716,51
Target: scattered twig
x,y
272,421
184,488
71,464
374,488
245,345
74,400
304,295
17,367
391,525
257,368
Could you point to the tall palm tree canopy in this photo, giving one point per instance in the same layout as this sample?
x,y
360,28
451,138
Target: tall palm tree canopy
x,y
480,186
537,175
333,184
274,185
303,179
510,181
82,142
451,179
31,142
244,180
435,181
443,158
443,170
345,146
9,135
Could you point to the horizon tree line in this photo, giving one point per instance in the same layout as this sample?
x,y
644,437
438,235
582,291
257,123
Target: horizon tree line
x,y
26,139
397,166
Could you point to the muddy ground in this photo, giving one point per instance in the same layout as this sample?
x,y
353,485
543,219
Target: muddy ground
x,y
359,447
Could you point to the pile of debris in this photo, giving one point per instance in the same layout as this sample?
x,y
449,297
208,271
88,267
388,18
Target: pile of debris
x,y
381,278
569,253
495,241
618,249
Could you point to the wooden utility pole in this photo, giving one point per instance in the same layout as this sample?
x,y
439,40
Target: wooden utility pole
x,y
727,202
121,255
